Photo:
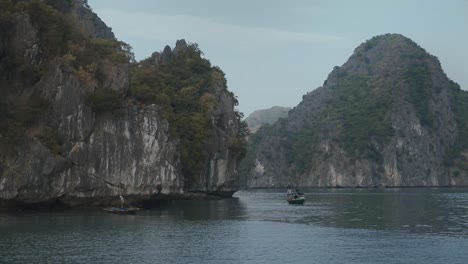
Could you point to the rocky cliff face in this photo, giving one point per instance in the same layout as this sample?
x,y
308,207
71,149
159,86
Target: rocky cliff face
x,y
89,22
387,117
218,167
71,133
128,154
219,175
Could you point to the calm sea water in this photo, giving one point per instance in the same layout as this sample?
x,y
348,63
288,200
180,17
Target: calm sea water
x,y
333,226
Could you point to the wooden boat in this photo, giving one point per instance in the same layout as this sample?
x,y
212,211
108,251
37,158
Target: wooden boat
x,y
295,198
124,210
299,200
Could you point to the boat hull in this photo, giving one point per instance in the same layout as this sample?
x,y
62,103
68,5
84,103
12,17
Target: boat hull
x,y
296,201
117,210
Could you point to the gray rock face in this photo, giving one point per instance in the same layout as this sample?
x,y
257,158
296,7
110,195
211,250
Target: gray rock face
x,y
412,154
220,173
166,56
180,47
26,38
128,151
124,154
89,21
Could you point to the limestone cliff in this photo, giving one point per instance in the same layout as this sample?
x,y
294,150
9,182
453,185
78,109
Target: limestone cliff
x,y
388,117
201,110
72,133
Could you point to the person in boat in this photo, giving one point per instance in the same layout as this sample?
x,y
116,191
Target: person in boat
x,y
297,194
122,201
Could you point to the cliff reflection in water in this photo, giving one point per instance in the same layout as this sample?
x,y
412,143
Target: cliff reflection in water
x,y
355,225
199,210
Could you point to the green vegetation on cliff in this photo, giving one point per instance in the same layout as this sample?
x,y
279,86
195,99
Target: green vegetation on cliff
x,y
184,90
185,86
460,108
60,41
418,77
364,116
389,116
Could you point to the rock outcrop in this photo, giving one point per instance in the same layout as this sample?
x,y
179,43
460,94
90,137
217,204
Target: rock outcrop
x,y
91,24
70,131
218,172
388,117
219,175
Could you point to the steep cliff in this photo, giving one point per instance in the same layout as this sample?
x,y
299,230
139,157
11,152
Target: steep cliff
x,y
201,112
388,117
71,130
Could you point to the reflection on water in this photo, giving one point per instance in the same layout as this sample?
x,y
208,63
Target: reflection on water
x,y
333,226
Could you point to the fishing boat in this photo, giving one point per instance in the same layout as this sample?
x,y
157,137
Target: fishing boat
x,y
122,210
295,197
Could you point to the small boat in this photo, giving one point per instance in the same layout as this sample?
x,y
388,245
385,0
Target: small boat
x,y
298,200
295,197
123,210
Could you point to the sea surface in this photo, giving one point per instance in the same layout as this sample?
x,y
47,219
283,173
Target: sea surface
x,y
258,226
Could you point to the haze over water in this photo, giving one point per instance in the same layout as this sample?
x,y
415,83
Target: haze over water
x,y
333,226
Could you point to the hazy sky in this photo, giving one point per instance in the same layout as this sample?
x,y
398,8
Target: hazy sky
x,y
274,51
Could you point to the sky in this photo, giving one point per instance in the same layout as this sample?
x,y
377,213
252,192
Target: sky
x,y
275,51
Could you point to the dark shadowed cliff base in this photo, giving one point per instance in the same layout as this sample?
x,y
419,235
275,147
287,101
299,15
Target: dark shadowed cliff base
x,y
140,201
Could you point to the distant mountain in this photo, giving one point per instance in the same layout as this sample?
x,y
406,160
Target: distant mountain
x,y
388,117
265,116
